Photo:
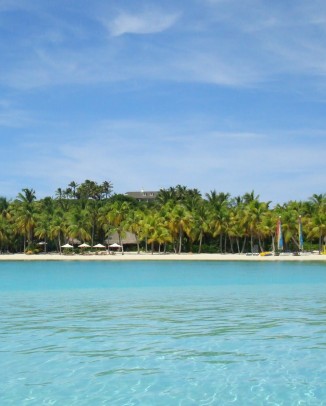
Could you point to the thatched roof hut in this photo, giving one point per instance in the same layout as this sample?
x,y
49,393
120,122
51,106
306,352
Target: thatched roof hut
x,y
127,238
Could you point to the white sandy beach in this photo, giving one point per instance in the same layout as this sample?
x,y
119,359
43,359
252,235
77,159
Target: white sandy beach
x,y
131,256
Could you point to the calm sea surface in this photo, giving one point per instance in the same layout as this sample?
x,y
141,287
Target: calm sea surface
x,y
171,333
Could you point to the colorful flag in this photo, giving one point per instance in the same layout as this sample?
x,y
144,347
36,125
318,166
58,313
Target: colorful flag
x,y
279,235
300,234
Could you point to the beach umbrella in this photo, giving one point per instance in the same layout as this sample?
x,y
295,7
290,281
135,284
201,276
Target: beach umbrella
x,y
279,235
84,245
43,244
115,245
67,246
99,246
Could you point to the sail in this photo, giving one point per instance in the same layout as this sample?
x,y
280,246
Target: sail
x,y
279,235
300,234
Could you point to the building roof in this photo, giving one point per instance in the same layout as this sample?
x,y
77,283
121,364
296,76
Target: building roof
x,y
143,195
127,238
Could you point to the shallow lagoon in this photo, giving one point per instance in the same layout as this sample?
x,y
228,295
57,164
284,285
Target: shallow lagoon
x,y
153,333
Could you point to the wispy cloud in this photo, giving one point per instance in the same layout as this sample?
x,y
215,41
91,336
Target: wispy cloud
x,y
147,22
238,45
161,154
92,93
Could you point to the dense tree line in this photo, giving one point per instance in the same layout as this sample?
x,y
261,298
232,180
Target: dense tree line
x,y
179,220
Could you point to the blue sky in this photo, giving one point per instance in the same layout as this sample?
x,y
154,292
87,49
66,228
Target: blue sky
x,y
214,94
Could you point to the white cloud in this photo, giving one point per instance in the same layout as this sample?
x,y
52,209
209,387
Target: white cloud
x,y
161,154
238,45
147,22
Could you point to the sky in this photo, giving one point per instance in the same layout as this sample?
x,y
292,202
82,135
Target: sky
x,y
225,95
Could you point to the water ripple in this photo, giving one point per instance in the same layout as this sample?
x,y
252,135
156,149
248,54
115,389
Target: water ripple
x,y
176,346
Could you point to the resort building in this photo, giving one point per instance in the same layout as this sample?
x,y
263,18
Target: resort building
x,y
143,196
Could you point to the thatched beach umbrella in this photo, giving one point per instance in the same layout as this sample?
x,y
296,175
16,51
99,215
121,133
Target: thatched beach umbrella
x,y
67,246
99,246
115,245
84,245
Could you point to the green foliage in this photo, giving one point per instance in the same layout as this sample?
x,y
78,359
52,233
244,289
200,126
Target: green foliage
x,y
179,220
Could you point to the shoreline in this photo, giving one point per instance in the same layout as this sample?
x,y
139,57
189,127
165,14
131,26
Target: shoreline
x,y
131,256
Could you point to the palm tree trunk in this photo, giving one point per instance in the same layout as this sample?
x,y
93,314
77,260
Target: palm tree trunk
x,y
180,240
120,242
231,244
296,243
260,245
238,245
59,240
243,245
200,242
93,231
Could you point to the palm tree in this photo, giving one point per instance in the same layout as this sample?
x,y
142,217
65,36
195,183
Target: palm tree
x,y
179,220
236,229
25,215
290,215
253,215
134,223
267,227
200,224
79,225
219,214
73,185
250,197
42,228
28,197
4,231
58,227
59,193
113,218
161,236
317,226
107,189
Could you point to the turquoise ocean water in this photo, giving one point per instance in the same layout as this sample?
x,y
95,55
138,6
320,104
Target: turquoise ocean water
x,y
162,333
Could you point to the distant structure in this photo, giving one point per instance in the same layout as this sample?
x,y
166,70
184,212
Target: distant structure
x,y
127,239
143,196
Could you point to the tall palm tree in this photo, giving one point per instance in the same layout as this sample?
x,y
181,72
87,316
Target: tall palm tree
x,y
42,228
79,225
253,215
134,223
200,223
58,228
73,185
317,227
179,221
218,204
107,188
24,214
113,218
